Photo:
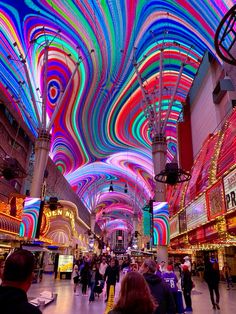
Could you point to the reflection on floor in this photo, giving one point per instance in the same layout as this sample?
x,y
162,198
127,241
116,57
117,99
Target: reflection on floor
x,y
69,303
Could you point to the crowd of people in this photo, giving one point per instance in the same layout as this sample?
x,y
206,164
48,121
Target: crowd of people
x,y
147,288
160,280
163,288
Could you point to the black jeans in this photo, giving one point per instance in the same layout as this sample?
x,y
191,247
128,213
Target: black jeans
x,y
215,288
84,287
187,299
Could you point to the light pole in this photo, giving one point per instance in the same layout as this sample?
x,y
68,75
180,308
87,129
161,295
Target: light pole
x,y
157,120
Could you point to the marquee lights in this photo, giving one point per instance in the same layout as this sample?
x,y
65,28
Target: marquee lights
x,y
105,96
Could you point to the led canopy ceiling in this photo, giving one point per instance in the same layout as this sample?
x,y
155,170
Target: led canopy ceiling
x,y
114,52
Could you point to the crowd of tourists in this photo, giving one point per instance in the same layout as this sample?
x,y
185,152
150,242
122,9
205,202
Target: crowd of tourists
x,y
148,288
161,283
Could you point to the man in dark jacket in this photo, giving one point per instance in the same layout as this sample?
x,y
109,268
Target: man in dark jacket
x,y
111,276
160,291
212,277
17,278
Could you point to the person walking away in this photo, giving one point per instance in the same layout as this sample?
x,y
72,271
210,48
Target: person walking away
x,y
16,281
187,286
111,276
171,280
194,268
212,278
95,277
135,296
159,289
85,277
187,262
75,277
103,267
200,270
226,271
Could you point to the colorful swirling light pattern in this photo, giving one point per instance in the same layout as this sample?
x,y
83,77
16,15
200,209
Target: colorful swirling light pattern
x,y
101,133
161,228
30,216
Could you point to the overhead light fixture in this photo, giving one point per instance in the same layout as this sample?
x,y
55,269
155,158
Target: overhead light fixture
x,y
111,187
172,174
126,188
53,203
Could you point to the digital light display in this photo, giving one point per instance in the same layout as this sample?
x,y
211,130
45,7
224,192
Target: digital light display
x,y
101,132
146,221
161,228
30,216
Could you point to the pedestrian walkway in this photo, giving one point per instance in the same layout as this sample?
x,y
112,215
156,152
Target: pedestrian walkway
x,y
69,303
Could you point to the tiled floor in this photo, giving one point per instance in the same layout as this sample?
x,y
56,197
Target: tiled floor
x,y
68,303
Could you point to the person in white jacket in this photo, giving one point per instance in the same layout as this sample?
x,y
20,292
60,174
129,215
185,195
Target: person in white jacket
x,y
103,267
187,262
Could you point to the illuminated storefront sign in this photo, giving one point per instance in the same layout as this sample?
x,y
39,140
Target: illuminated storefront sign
x,y
174,226
196,235
65,263
9,224
65,213
231,225
182,221
215,200
230,190
196,213
210,231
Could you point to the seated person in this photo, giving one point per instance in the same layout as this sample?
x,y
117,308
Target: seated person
x,y
16,280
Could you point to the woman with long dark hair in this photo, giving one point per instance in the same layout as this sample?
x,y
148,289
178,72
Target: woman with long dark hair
x,y
135,296
212,278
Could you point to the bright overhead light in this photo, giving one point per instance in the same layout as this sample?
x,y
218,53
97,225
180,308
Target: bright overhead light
x,y
111,187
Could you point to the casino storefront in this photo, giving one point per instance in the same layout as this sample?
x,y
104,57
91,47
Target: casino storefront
x,y
64,228
62,231
203,210
10,219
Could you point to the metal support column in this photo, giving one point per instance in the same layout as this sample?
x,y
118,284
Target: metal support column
x,y
42,147
159,148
